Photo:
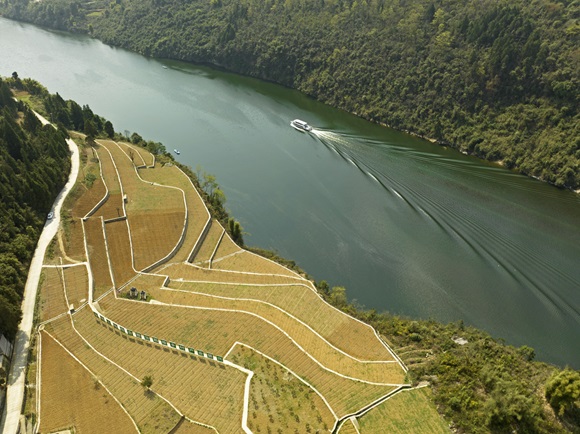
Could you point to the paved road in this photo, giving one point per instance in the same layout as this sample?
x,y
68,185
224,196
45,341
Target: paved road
x,y
15,391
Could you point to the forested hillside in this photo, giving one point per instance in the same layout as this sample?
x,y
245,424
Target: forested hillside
x,y
34,166
498,79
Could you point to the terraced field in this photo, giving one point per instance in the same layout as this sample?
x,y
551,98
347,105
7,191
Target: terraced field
x,y
272,393
348,428
198,215
303,303
189,272
113,207
407,411
226,247
76,280
120,251
311,342
248,262
233,342
156,214
80,401
216,331
188,382
151,413
209,245
98,256
52,301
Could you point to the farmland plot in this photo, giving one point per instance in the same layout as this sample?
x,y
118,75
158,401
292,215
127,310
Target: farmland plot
x,y
89,188
147,157
76,281
209,244
197,212
251,263
347,428
73,239
98,255
120,251
215,332
90,198
108,168
279,401
188,427
407,411
151,413
312,343
133,153
113,207
71,397
52,301
227,247
156,214
341,330
154,236
197,274
148,282
204,390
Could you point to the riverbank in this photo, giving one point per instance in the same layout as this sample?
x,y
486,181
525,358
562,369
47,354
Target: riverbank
x,y
457,91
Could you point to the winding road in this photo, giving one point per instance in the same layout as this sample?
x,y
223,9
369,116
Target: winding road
x,y
16,377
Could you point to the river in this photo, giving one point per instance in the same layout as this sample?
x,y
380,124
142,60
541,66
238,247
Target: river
x,y
407,226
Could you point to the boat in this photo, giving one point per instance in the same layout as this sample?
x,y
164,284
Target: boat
x,y
300,125
177,151
164,67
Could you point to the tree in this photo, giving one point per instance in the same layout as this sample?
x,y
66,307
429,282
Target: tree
x,y
324,287
563,391
235,230
90,130
338,296
147,382
527,353
109,130
136,139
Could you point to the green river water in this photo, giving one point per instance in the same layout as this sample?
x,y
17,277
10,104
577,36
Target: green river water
x,y
405,225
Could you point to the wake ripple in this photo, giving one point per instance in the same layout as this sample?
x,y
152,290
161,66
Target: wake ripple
x,y
452,194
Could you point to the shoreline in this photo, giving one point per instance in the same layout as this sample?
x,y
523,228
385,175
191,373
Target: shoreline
x,y
220,67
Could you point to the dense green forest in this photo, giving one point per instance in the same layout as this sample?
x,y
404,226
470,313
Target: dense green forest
x,y
494,78
34,166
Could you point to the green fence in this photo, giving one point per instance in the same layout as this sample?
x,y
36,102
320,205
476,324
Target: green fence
x,y
158,341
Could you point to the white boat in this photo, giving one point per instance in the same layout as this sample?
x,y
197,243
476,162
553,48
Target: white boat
x,y
300,125
176,151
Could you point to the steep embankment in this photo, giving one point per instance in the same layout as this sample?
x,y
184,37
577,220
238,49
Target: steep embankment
x,y
496,79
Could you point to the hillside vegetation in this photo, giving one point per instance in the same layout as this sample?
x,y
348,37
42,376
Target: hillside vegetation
x,y
498,79
34,166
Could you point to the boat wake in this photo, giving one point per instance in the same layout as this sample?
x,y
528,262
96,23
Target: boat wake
x,y
465,202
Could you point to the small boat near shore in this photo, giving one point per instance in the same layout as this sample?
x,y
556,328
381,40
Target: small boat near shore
x,y
177,151
301,125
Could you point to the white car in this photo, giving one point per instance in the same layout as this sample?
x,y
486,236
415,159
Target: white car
x,y
50,216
